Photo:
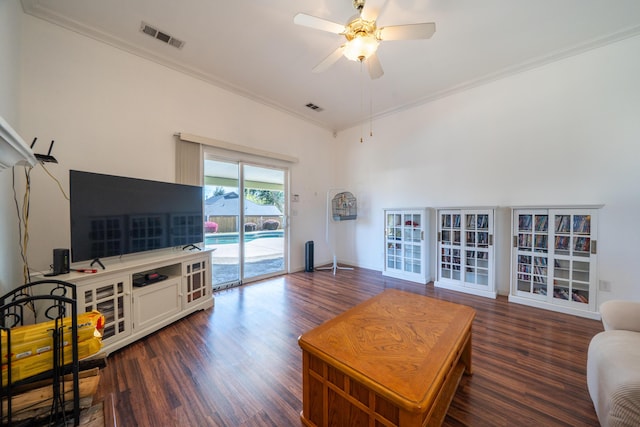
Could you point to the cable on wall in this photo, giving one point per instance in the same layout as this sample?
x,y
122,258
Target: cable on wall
x,y
56,181
23,220
23,211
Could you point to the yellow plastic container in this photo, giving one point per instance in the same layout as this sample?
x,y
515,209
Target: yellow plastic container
x,y
31,340
33,365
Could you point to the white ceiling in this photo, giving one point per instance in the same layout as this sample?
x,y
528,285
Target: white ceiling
x,y
253,47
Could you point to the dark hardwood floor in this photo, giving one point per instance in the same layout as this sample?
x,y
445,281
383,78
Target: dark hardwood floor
x,y
239,363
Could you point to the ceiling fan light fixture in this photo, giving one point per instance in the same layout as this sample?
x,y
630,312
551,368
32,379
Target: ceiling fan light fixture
x,y
361,47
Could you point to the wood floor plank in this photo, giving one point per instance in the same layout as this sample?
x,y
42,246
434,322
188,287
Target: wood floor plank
x,y
239,363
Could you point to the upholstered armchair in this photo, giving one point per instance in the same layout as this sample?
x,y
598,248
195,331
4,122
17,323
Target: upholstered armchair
x,y
613,365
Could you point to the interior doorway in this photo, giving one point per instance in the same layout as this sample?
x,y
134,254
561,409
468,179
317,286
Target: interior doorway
x,y
245,220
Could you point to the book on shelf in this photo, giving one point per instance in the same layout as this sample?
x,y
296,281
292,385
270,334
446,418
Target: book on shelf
x,y
541,261
562,242
582,224
537,278
582,244
540,271
483,238
578,297
524,222
563,223
524,241
483,221
471,221
540,241
524,268
471,238
524,259
561,294
542,223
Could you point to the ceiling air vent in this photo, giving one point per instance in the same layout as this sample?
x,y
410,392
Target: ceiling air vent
x,y
160,35
314,107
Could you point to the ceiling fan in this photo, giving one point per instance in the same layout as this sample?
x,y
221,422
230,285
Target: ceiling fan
x,y
363,36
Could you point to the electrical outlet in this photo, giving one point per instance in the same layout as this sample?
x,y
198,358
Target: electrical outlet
x,y
605,285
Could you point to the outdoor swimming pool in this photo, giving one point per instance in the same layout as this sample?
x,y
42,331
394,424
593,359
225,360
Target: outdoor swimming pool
x,y
227,238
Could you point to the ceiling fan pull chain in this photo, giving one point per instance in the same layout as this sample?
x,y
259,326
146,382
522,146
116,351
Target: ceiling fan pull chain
x,y
370,108
361,101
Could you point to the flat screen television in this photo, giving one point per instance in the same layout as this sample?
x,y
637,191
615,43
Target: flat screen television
x,y
115,215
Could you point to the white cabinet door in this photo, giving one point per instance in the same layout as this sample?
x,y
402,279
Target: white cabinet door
x,y
155,304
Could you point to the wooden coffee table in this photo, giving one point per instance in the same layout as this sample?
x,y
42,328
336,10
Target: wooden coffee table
x,y
394,360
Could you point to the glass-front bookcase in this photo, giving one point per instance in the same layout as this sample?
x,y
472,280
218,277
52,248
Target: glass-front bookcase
x,y
465,251
554,258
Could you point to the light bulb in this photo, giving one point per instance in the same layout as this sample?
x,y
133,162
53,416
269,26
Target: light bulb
x,y
361,47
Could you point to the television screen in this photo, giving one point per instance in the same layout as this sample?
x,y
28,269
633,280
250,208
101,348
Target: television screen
x,y
114,215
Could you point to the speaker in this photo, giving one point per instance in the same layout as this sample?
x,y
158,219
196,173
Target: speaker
x,y
60,261
308,256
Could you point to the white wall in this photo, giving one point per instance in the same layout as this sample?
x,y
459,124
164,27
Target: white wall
x,y
112,112
563,134
10,264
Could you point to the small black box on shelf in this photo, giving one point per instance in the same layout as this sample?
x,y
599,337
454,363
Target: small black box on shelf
x,y
140,280
60,261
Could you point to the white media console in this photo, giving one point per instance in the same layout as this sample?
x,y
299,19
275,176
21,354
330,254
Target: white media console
x,y
132,312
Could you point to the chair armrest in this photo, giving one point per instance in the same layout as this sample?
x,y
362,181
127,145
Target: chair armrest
x,y
617,314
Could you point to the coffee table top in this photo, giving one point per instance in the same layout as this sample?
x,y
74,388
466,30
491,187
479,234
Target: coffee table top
x,y
399,344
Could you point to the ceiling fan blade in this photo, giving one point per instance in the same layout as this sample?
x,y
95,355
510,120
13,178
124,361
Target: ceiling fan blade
x,y
329,60
374,66
408,32
372,9
318,23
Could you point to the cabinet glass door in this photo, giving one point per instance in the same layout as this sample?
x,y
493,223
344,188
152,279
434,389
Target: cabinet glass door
x,y
412,236
532,252
112,300
572,248
477,241
394,239
404,239
404,242
195,280
450,245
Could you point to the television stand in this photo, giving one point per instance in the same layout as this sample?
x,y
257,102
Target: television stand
x,y
133,312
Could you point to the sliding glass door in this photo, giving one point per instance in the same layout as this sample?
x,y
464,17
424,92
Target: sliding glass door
x,y
245,220
264,221
222,220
